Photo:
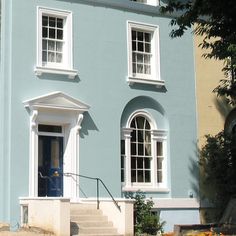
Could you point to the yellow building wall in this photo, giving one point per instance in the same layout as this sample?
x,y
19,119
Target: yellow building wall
x,y
211,110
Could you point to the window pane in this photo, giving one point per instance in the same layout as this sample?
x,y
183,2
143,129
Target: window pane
x,y
147,47
133,163
122,176
140,163
134,46
51,45
59,57
140,122
50,128
140,176
133,135
140,58
52,21
140,36
59,23
45,32
44,44
133,175
59,34
159,177
140,150
134,57
52,33
140,47
51,57
147,176
59,46
140,136
122,162
140,68
134,68
40,153
147,163
44,56
133,149
148,149
147,70
122,145
45,20
159,149
147,37
147,136
159,163
147,59
134,33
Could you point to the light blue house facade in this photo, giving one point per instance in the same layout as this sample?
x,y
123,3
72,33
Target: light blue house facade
x,y
96,88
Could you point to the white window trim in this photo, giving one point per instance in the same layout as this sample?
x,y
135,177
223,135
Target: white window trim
x,y
150,2
65,68
154,78
156,135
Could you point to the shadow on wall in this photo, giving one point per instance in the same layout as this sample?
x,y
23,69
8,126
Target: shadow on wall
x,y
148,104
87,125
195,171
223,106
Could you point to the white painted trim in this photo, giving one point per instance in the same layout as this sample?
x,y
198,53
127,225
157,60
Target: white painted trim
x,y
44,102
145,189
156,135
177,203
155,77
157,83
71,121
64,68
141,113
39,71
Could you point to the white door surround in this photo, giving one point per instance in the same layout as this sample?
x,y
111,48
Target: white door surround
x,y
56,109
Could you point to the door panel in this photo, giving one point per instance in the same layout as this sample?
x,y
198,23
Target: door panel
x,y
50,166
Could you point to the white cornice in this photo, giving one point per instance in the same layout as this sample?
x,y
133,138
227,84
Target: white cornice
x,y
56,101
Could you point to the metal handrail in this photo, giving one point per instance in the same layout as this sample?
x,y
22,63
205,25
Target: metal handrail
x,y
97,180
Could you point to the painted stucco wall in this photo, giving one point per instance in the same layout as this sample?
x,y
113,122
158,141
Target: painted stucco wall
x,y
211,110
100,55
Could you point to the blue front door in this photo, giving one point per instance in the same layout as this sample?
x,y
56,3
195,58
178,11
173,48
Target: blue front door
x,y
50,166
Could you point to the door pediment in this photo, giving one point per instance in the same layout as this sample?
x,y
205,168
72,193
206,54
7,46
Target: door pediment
x,y
56,101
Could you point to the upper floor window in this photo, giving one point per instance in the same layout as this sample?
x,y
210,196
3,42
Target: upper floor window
x,y
149,2
53,40
143,50
54,53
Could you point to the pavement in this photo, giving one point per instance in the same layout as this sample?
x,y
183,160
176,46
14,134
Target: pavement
x,y
33,231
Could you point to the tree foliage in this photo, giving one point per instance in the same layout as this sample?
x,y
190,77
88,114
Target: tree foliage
x,y
218,164
216,22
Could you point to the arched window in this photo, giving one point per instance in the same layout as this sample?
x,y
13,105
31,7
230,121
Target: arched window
x,y
143,154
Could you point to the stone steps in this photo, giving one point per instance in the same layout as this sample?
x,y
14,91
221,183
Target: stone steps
x,y
86,220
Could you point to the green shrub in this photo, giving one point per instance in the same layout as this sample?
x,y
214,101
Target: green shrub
x,y
218,175
144,219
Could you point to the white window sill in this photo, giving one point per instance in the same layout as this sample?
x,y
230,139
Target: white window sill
x,y
39,70
157,83
145,189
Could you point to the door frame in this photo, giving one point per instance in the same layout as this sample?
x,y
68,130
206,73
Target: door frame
x,y
60,109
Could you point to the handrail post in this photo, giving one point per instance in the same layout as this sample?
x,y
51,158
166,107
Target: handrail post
x,y
98,202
